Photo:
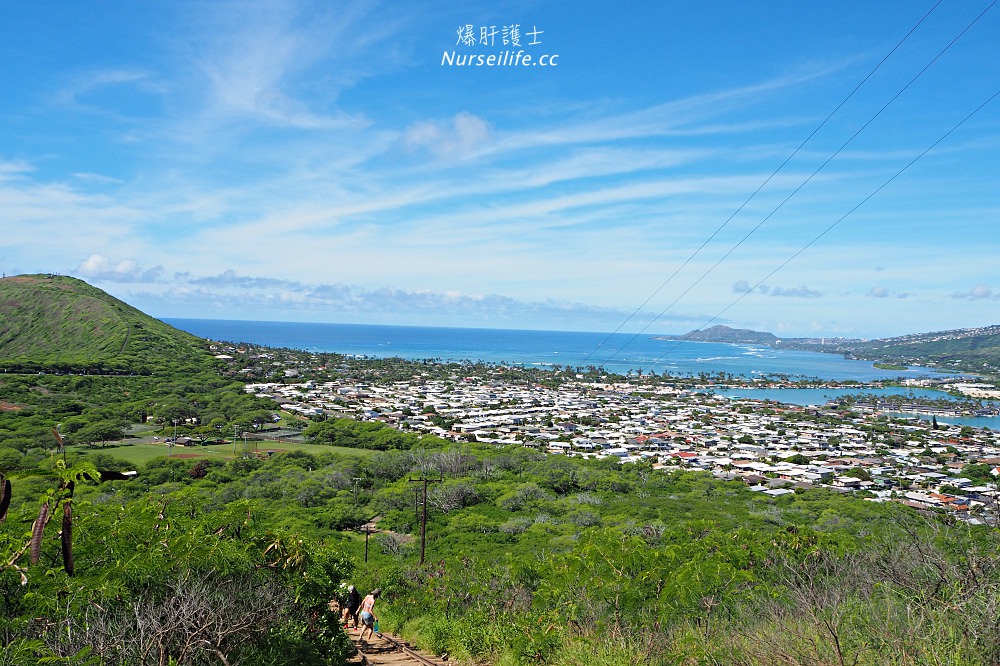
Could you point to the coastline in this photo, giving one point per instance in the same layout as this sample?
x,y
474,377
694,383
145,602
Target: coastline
x,y
620,353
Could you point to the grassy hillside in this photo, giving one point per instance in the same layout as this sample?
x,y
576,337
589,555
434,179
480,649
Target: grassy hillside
x,y
968,349
977,350
56,323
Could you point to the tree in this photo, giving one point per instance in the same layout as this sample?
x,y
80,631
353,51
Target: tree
x,y
859,473
103,432
979,473
10,459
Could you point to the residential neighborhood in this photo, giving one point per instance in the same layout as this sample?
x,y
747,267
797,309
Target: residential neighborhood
x,y
774,448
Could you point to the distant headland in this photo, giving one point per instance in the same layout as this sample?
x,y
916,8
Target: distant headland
x,y
966,349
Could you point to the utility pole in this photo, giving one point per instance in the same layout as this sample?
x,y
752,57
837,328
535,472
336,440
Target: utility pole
x,y
356,480
368,530
423,519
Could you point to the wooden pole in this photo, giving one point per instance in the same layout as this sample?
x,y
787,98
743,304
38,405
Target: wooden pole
x,y
423,518
416,503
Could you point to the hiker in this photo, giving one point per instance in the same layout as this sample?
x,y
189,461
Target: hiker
x,y
367,614
351,607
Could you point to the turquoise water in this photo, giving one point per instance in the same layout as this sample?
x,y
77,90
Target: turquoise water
x,y
545,349
820,396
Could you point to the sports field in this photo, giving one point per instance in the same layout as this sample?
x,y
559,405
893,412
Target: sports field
x,y
140,453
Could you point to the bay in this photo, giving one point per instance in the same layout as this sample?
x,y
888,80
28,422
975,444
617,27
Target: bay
x,y
621,353
820,396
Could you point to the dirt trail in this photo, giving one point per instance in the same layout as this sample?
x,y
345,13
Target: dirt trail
x,y
389,649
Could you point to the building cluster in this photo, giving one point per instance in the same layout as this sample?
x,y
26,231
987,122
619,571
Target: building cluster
x,y
776,449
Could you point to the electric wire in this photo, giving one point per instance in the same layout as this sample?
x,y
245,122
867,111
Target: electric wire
x,y
809,178
763,184
838,221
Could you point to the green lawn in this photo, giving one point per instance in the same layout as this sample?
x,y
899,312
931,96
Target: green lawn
x,y
140,453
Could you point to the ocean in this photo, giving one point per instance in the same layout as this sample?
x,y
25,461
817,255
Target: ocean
x,y
620,353
820,396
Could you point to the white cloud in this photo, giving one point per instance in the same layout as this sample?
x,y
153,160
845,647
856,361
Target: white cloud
x,y
96,178
262,152
14,169
978,293
267,298
92,81
464,136
801,291
251,57
229,279
100,268
885,292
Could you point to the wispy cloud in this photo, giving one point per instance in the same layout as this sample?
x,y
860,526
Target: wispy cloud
x,y
980,292
885,292
295,141
287,299
688,116
802,291
10,170
252,56
97,179
83,84
100,268
796,292
229,279
463,136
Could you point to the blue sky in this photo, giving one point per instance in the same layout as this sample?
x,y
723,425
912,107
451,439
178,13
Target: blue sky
x,y
324,162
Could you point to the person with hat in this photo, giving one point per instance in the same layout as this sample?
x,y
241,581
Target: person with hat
x,y
351,606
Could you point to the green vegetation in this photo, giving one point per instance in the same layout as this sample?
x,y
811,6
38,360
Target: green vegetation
x,y
231,556
530,558
160,577
143,453
967,350
61,324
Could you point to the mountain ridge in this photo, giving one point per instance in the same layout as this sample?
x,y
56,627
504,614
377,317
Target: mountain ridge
x,y
60,323
966,349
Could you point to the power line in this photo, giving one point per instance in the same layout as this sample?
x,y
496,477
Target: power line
x,y
762,185
775,172
811,176
840,219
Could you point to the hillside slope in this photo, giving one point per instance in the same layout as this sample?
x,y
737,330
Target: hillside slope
x,y
730,335
58,323
968,349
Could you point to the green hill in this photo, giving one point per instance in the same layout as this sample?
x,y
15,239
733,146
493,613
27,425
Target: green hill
x,y
966,349
730,335
62,324
976,349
